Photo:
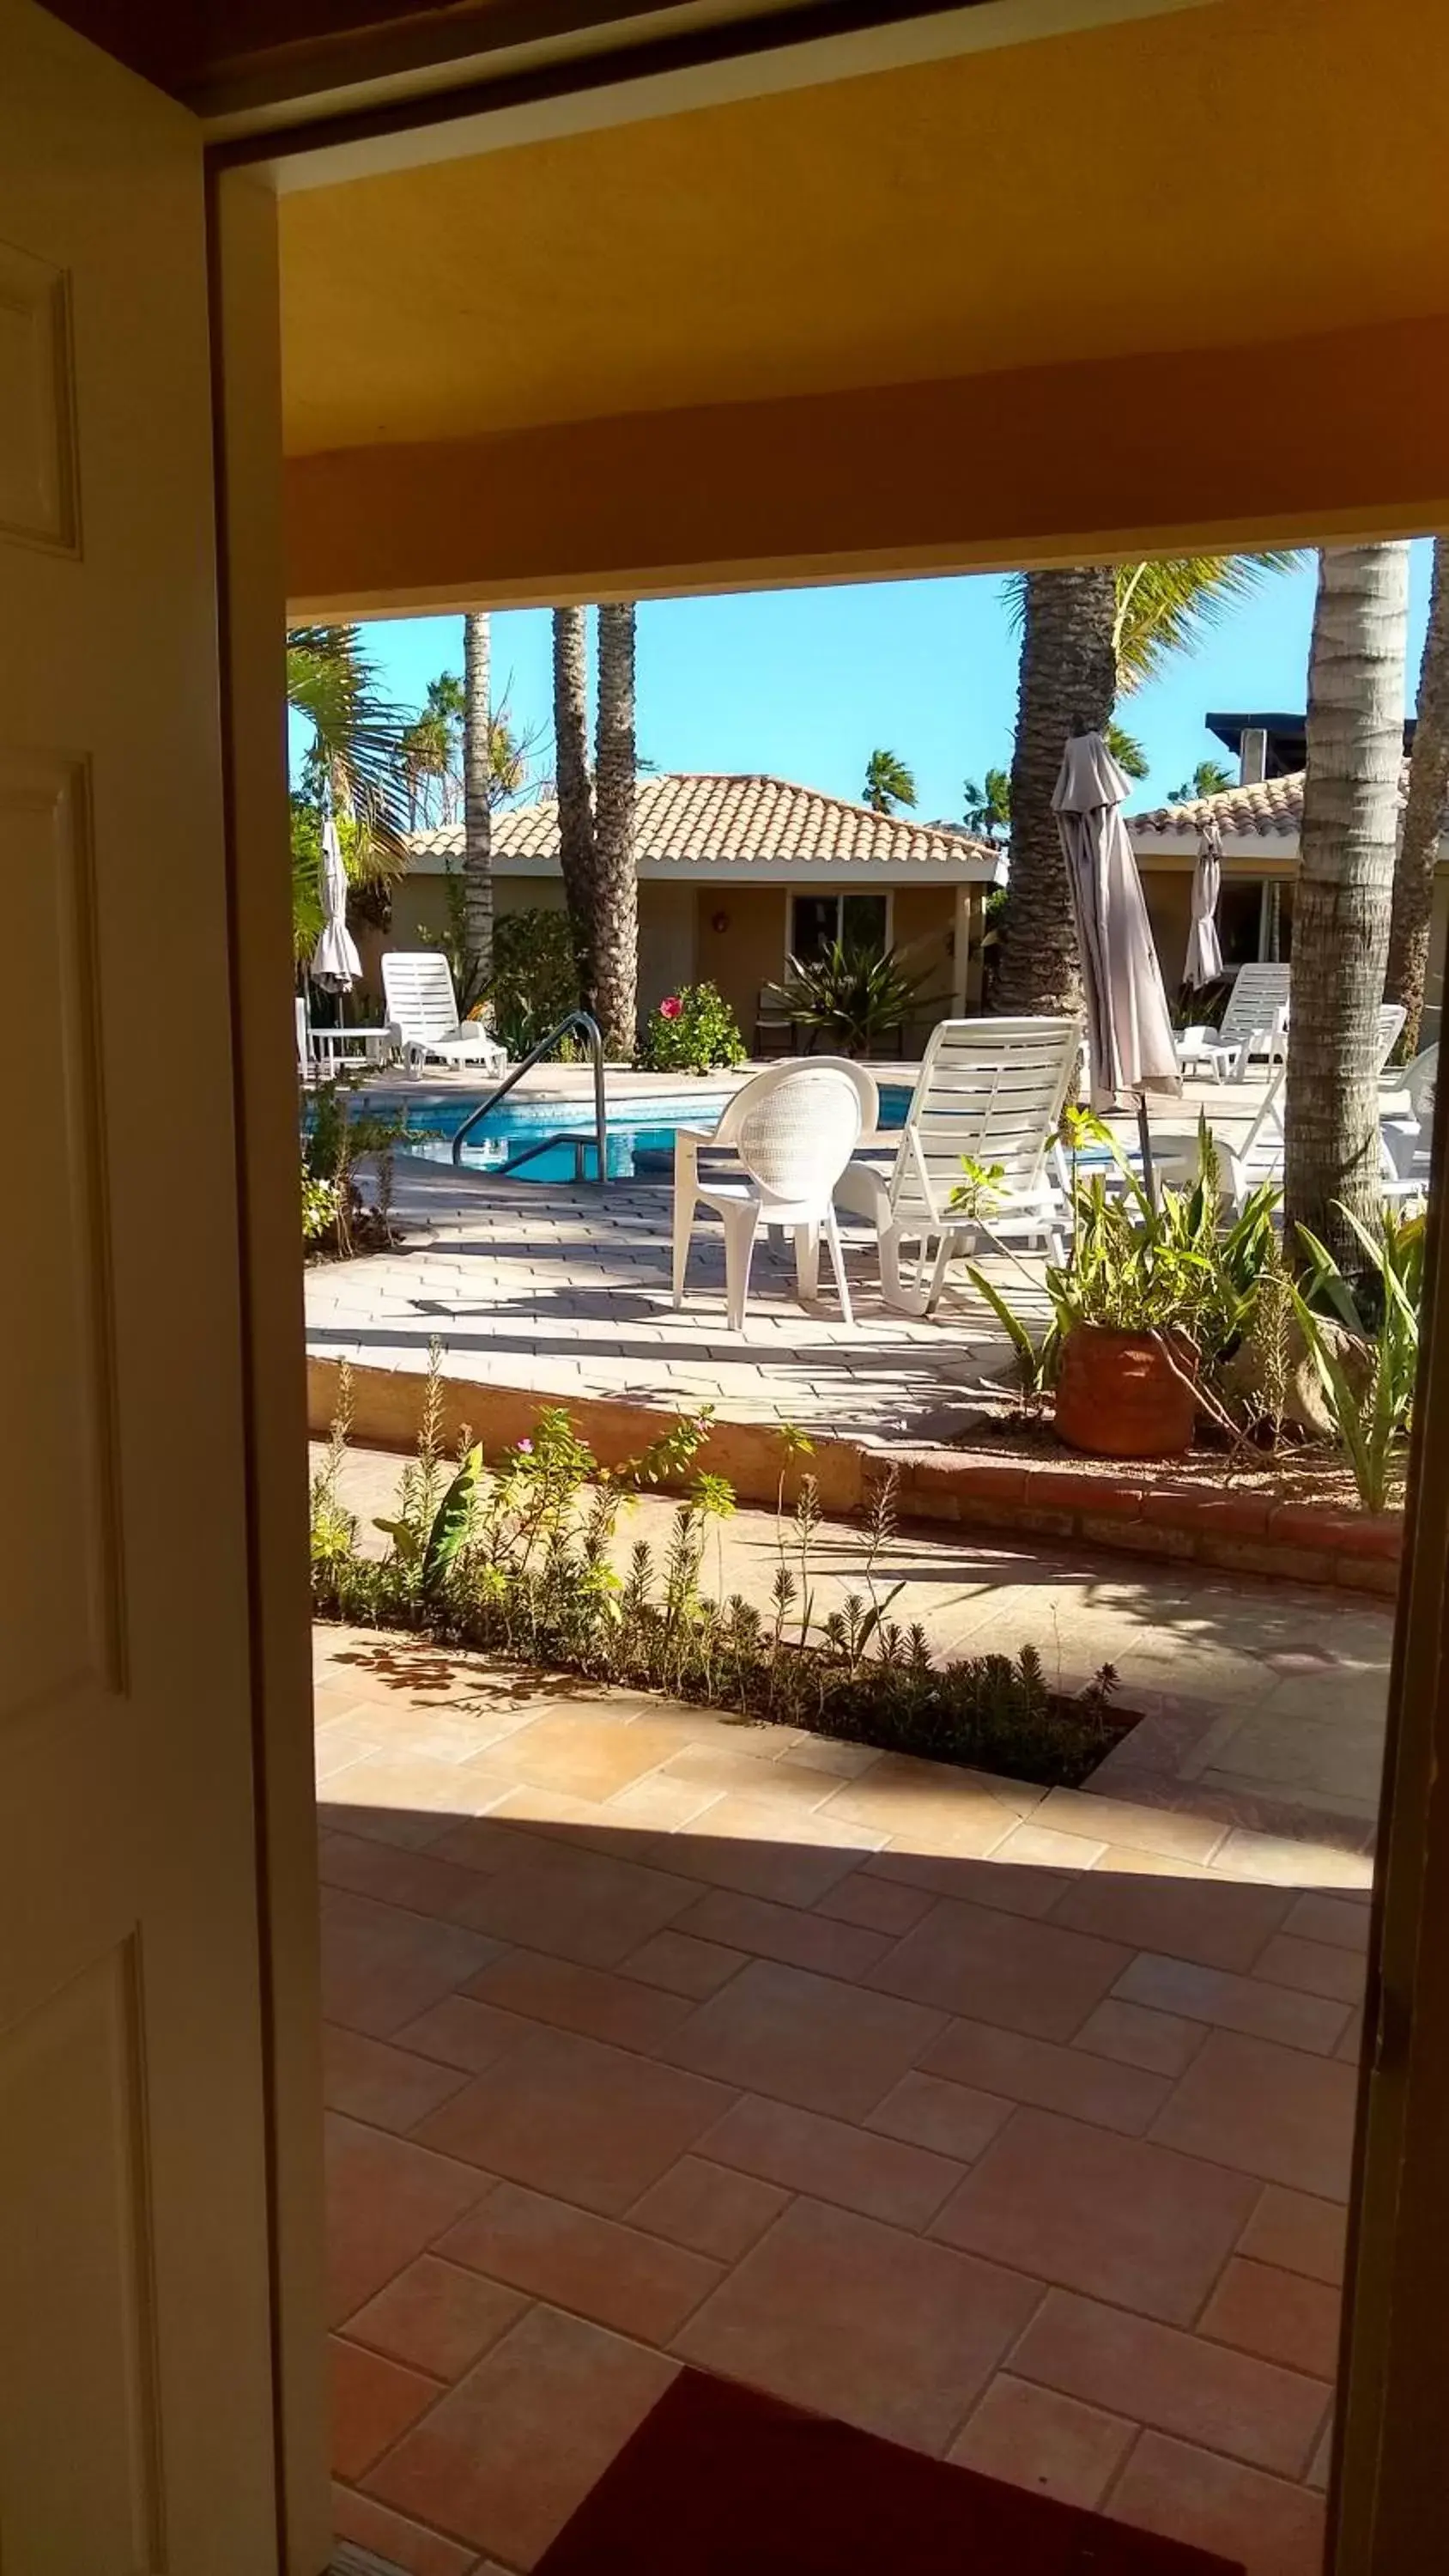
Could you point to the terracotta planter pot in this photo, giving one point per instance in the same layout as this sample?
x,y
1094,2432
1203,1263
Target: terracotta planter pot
x,y
1118,1395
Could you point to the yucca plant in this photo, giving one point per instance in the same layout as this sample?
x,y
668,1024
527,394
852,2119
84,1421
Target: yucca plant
x,y
1372,1411
854,996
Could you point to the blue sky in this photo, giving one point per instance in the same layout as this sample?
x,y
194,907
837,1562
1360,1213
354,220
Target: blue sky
x,y
806,683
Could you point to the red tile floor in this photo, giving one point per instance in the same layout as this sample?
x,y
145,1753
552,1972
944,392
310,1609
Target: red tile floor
x,y
657,2038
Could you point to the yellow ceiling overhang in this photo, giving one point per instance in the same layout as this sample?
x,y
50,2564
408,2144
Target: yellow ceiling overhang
x,y
1190,187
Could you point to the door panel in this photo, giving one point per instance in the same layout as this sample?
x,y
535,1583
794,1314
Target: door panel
x,y
135,2326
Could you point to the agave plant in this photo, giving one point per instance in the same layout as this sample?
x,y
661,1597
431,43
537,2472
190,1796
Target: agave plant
x,y
853,996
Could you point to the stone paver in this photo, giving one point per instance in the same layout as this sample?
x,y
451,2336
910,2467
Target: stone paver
x,y
1077,2221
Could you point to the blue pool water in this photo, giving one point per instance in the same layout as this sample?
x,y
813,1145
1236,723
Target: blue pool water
x,y
641,1132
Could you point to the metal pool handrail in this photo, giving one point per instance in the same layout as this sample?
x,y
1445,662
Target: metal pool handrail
x,y
590,1028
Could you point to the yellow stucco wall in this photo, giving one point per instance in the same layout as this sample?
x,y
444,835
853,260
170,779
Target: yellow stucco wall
x,y
749,952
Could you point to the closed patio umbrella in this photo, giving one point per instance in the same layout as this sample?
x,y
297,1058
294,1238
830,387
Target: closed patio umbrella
x,y
1129,1034
335,961
1204,959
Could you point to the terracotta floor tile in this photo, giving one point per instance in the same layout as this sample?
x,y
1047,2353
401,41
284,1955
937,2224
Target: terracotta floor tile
x,y
1036,1846
1302,2235
1219,1923
1314,1967
1342,1921
385,2085
952,2119
803,2038
1020,2069
402,2543
878,1904
1022,1975
576,1904
1274,2112
381,1967
747,1847
1179,2383
1322,2461
1160,2043
882,2177
395,1877
1165,1831
373,2401
1109,2215
573,2117
1270,2528
1272,1861
386,2200
750,1769
1233,2003
704,2205
1282,2316
1350,2047
437,2317
1036,2438
862,2322
934,1811
782,1932
683,1966
658,1806
592,2000
588,1754
1006,1890
512,2451
461,2033
592,2266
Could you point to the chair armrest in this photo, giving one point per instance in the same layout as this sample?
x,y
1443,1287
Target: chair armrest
x,y
693,1137
861,1190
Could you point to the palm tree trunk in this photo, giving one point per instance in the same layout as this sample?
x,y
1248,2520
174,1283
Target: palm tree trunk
x,y
571,772
477,961
1068,685
1424,815
615,943
1345,879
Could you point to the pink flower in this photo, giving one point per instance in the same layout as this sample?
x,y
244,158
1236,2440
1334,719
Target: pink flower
x,y
525,1448
670,1009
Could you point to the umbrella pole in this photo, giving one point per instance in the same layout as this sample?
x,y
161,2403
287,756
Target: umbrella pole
x,y
1144,1137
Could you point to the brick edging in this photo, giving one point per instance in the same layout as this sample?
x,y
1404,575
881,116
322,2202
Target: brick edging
x,y
1131,1509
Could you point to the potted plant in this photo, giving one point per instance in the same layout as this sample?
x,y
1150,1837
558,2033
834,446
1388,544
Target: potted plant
x,y
854,997
1149,1299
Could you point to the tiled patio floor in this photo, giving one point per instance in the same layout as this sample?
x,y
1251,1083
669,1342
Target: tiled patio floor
x,y
1009,2127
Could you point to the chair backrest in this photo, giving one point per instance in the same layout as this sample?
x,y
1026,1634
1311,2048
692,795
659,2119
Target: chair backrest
x,y
1259,993
795,1127
304,1042
1392,1016
1419,1081
992,1089
417,986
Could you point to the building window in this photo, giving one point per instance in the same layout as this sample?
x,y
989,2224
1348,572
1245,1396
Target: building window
x,y
1255,921
858,921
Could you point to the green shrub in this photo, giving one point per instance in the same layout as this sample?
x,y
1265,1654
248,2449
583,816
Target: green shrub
x,y
692,1031
535,979
336,1136
1372,1411
854,997
514,1556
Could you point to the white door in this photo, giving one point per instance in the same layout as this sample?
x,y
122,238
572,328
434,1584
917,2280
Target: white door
x,y
135,2369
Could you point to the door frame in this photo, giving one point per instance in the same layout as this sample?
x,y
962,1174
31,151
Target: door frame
x,y
1389,2482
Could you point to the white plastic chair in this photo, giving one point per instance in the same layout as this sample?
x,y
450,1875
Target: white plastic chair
x,y
1258,1155
1202,1051
1406,1139
793,1129
993,1089
422,1007
1256,1016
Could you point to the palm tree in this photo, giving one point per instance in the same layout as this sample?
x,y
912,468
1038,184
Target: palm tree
x,y
988,807
1345,878
1067,685
477,808
356,757
614,942
1424,815
1086,638
1208,779
571,775
888,783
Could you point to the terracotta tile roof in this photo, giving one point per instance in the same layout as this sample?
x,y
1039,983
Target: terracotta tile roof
x,y
1274,806
685,822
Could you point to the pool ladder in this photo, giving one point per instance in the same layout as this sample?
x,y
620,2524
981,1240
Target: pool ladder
x,y
544,1144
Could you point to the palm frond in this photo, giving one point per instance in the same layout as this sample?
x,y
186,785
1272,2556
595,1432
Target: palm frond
x,y
357,738
1166,606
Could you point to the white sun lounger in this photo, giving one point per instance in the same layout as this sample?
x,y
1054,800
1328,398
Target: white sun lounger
x,y
422,1007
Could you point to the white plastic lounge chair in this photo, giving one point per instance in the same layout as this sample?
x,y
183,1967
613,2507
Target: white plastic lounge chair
x,y
1407,1136
1203,1051
991,1089
1256,1016
1257,1156
422,1009
793,1129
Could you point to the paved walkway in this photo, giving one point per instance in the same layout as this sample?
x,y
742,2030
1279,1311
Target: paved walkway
x,y
1264,1702
1012,2125
566,1291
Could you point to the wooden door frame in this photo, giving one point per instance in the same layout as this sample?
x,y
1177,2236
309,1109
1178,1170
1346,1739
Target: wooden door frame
x,y
1389,2489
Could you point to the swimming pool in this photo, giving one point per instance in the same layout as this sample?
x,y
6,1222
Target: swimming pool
x,y
640,1132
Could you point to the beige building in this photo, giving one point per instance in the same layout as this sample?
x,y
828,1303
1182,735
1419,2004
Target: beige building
x,y
1258,824
738,874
